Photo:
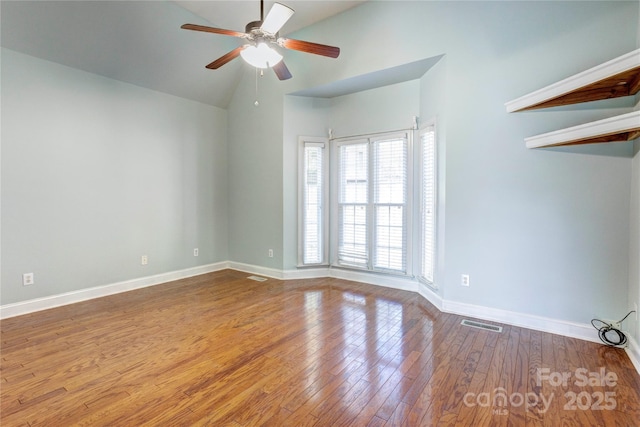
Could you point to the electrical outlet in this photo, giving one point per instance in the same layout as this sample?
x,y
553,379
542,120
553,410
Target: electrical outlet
x,y
465,280
270,253
144,260
27,279
195,252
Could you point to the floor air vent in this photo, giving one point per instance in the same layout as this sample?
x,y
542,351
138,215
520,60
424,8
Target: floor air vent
x,y
479,325
257,278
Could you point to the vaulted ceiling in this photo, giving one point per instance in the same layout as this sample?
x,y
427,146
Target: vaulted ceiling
x,y
140,42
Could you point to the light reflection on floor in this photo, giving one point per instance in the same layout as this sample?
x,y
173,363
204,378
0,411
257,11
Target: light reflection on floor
x,y
377,352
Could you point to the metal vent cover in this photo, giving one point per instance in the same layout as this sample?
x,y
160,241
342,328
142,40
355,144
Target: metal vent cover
x,y
480,325
257,278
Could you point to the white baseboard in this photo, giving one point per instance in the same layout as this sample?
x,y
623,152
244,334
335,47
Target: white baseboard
x,y
544,324
388,281
307,273
583,331
430,295
256,269
633,351
38,304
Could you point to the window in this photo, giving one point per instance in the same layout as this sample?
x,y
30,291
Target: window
x,y
312,192
428,203
372,202
390,195
353,241
375,225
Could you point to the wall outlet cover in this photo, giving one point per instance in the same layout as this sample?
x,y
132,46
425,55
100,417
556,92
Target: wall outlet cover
x,y
27,279
464,281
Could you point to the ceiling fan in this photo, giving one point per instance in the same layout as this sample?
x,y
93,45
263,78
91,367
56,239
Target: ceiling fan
x,y
259,35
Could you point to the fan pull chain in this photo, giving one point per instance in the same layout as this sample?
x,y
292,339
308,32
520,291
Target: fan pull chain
x,y
256,103
261,74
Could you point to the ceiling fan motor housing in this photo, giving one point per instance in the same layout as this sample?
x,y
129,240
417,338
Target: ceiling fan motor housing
x,y
256,34
253,25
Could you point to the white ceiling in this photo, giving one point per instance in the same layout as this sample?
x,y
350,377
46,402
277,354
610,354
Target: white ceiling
x,y
140,42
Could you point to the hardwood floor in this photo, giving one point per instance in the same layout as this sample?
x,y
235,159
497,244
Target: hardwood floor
x,y
220,349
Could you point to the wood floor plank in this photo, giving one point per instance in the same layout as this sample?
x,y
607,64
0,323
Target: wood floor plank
x,y
550,406
519,384
484,409
473,375
534,403
219,349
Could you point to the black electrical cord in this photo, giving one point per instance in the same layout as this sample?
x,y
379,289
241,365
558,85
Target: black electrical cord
x,y
608,334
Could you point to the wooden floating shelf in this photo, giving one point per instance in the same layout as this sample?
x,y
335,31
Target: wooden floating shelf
x,y
625,127
615,78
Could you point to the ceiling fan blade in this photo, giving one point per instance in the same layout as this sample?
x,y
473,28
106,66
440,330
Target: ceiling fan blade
x,y
308,47
206,29
282,71
276,18
226,58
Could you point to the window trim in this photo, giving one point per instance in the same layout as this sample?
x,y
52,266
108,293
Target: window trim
x,y
424,128
303,142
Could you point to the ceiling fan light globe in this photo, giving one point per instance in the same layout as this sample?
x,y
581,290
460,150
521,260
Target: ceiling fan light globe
x,y
261,56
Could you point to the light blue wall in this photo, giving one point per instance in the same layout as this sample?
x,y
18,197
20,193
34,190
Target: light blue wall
x,y
538,231
375,110
634,238
255,156
96,173
634,247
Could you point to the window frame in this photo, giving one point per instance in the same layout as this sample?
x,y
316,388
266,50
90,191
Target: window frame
x,y
303,143
335,203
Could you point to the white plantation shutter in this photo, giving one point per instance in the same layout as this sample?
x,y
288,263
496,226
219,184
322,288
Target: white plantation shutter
x,y
389,204
353,200
372,203
313,196
428,208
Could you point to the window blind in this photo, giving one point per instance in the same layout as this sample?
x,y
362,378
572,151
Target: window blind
x,y
428,143
353,210
390,189
313,198
372,202
313,205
